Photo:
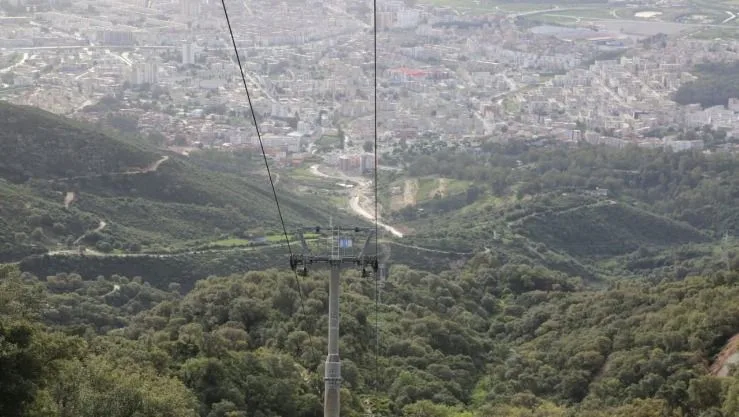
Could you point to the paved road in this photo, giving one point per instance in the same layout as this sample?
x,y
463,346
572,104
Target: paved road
x,y
349,15
354,204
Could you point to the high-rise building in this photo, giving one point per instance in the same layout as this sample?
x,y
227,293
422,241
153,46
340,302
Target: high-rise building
x,y
188,53
366,163
408,18
344,163
145,73
115,37
190,8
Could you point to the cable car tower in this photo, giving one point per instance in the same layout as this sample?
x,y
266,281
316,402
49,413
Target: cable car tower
x,y
339,252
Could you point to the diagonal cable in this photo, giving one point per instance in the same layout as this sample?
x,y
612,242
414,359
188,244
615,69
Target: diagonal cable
x,y
377,213
266,164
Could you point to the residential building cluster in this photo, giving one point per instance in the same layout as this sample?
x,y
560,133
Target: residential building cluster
x,y
309,65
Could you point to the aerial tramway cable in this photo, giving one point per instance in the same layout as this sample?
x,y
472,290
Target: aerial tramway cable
x,y
266,164
277,202
377,213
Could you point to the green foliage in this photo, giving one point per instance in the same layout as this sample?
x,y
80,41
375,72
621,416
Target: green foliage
x,y
564,207
37,144
28,355
184,269
97,386
716,84
513,331
609,229
185,202
492,338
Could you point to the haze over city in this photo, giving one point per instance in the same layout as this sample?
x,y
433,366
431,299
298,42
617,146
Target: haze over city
x,y
353,208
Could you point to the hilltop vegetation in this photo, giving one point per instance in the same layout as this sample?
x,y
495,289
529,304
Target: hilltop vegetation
x,y
39,145
594,288
607,229
582,201
492,338
145,200
716,84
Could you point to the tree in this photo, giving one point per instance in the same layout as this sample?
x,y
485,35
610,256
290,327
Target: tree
x,y
472,194
104,246
123,123
59,229
38,234
368,146
98,386
28,355
705,393
156,139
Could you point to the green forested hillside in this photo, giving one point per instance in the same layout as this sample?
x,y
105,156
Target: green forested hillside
x,y
607,228
115,195
582,282
29,221
716,84
566,206
489,339
39,145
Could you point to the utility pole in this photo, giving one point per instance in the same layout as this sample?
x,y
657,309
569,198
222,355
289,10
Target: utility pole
x,y
340,253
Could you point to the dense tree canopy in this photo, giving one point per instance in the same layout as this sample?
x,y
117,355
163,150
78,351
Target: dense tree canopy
x,y
716,84
488,339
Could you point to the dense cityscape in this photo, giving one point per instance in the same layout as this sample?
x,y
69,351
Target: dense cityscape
x,y
167,68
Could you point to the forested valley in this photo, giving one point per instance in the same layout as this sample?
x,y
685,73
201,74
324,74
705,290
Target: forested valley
x,y
578,281
486,339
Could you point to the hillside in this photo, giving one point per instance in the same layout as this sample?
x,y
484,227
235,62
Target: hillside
x,y
39,145
491,338
590,211
607,229
716,84
116,196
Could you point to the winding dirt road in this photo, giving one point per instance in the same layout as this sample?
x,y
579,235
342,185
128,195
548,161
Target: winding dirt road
x,y
354,202
100,228
362,188
151,168
154,166
70,197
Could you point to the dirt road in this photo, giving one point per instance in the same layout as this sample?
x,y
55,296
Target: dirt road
x,y
363,187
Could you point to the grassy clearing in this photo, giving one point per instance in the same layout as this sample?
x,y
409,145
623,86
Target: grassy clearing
x,y
234,242
426,186
554,19
457,186
328,142
716,33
